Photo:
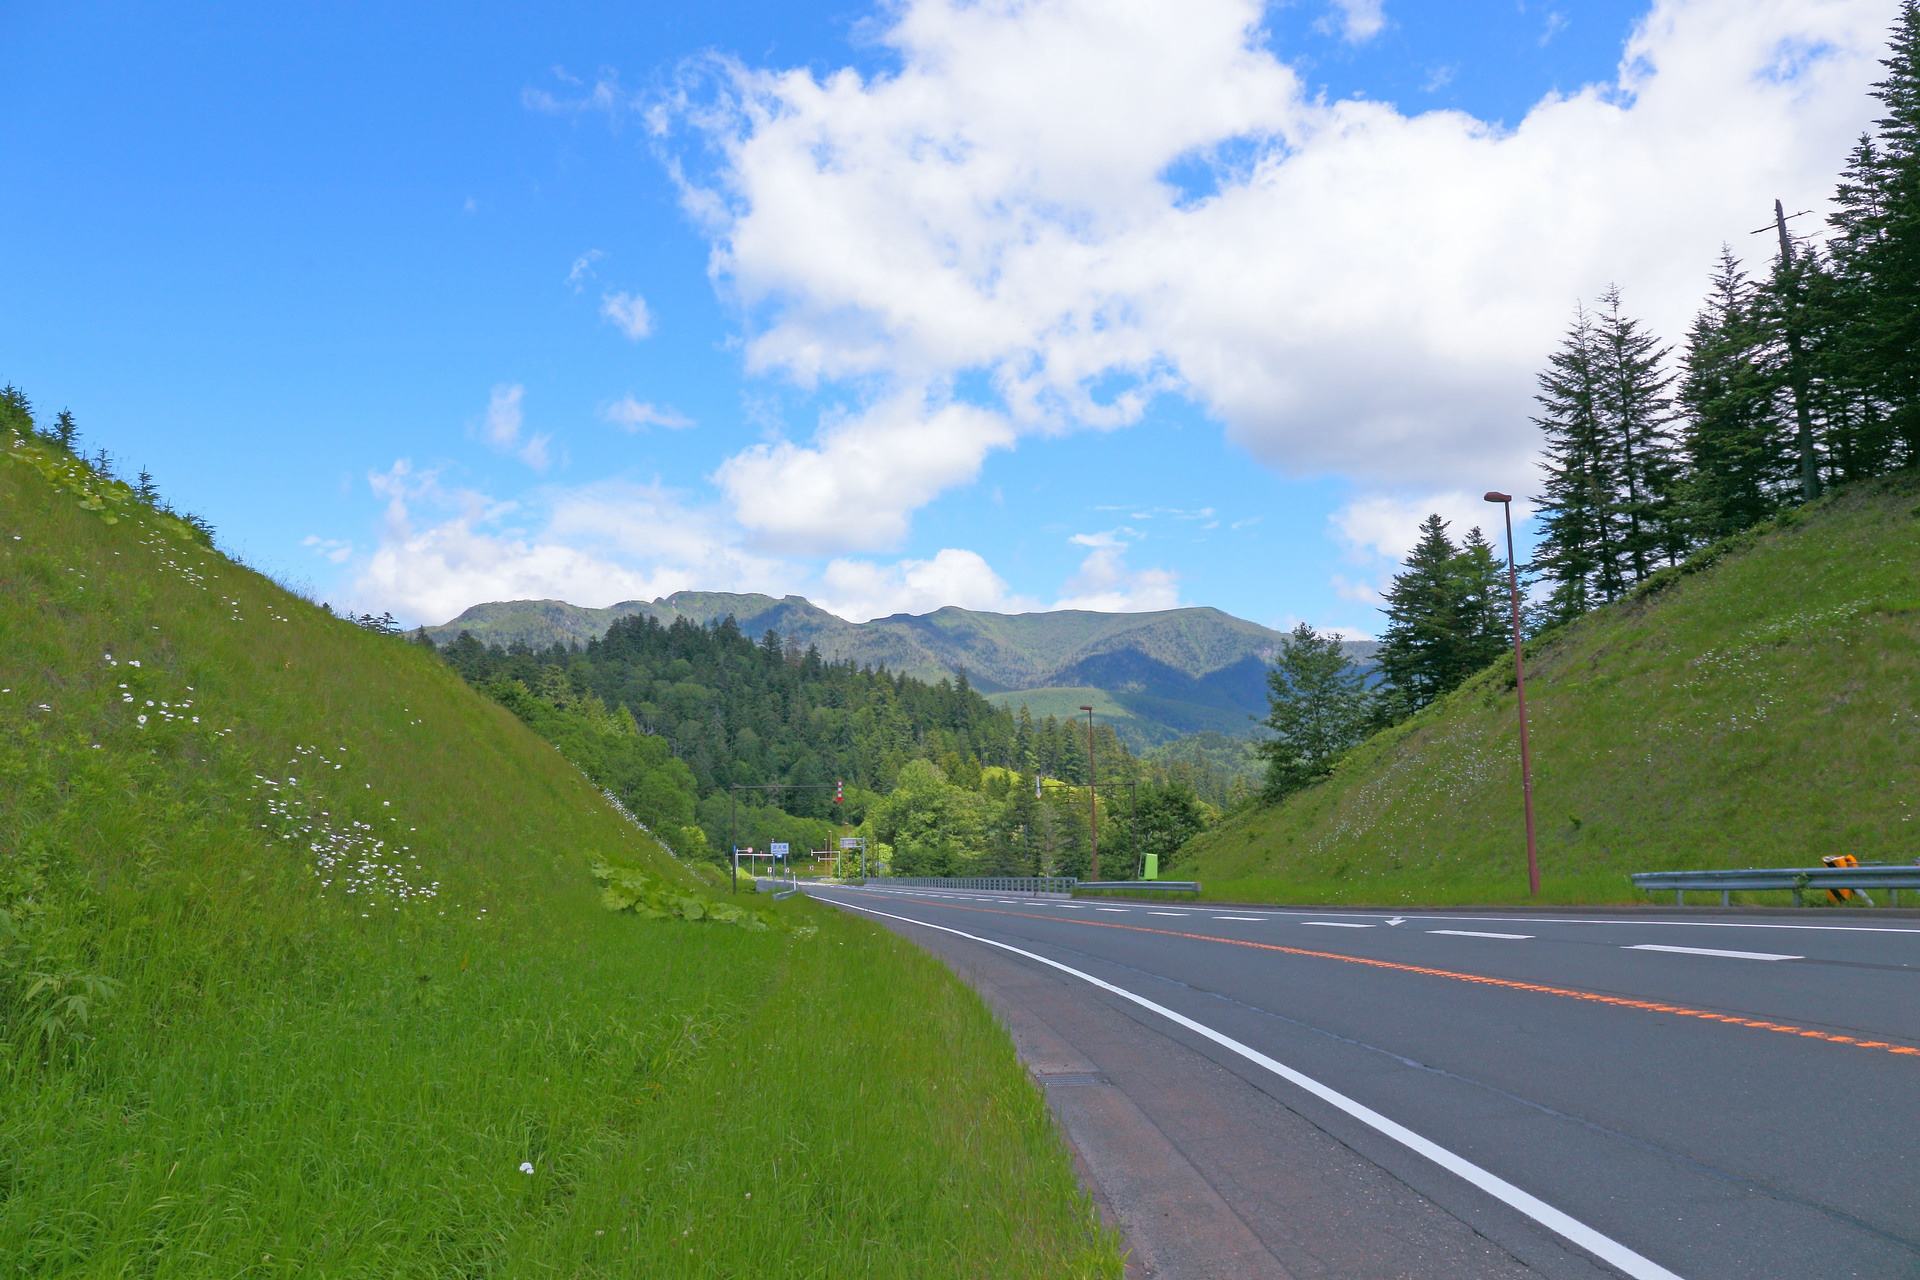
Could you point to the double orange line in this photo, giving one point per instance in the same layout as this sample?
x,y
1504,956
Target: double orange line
x,y
1509,983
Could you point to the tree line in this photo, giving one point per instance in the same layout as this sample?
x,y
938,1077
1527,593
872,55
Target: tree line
x,y
713,738
1789,382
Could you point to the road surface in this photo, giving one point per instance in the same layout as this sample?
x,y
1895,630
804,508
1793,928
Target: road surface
x,y
1295,1093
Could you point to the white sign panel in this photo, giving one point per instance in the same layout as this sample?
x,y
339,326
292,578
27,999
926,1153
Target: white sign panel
x,y
778,848
849,842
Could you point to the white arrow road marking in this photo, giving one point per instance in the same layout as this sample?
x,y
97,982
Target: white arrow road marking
x,y
1396,920
1605,1248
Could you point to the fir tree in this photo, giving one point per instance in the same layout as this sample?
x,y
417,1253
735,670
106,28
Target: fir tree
x,y
1317,709
1577,550
1634,412
66,433
1447,619
1878,249
1734,438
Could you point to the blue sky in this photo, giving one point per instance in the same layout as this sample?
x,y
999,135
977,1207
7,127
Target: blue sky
x,y
1110,304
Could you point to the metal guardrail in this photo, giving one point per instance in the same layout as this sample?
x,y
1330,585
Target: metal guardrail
x,y
1894,877
997,884
1169,886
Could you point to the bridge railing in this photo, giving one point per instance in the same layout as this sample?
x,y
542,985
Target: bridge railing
x,y
1893,877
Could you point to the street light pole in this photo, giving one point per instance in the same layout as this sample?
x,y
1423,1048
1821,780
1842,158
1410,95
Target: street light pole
x,y
1520,682
1093,817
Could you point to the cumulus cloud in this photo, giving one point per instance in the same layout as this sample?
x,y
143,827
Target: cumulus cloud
x,y
500,427
1355,21
332,549
1106,584
633,415
1363,292
855,486
859,590
444,550
629,314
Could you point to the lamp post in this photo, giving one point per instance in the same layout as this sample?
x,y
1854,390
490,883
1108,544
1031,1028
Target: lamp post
x,y
1093,818
1520,682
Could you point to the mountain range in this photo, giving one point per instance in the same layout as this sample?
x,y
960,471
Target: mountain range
x,y
1153,676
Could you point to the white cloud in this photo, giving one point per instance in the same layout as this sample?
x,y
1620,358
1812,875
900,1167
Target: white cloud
x,y
583,269
858,590
629,314
633,415
1367,293
594,545
856,485
333,549
1386,527
1105,583
501,424
1355,21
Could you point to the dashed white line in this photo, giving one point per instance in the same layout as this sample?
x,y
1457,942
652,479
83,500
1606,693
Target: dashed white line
x,y
1709,951
1180,915
1254,918
1603,1247
1475,933
1337,924
1121,910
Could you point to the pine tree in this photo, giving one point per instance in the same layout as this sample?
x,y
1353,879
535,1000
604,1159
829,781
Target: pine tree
x,y
1577,550
1635,411
1317,709
65,431
1735,439
1447,619
1877,252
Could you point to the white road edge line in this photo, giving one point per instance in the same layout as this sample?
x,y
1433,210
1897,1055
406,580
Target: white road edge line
x,y
1474,933
1709,951
1605,1248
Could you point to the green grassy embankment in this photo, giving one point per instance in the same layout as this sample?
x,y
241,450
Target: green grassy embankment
x,y
317,1025
1755,709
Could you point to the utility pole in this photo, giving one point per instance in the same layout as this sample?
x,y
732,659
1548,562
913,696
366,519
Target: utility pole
x,y
1796,365
1093,817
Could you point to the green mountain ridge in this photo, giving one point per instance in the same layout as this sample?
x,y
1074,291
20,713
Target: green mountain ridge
x,y
1167,673
1756,706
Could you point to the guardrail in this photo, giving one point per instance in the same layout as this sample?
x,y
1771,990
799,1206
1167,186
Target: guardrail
x,y
1894,877
997,884
1168,886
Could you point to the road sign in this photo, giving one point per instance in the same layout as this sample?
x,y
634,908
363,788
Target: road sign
x,y
849,842
778,848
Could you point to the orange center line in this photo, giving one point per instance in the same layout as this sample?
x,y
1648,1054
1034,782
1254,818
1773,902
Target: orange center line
x,y
1509,983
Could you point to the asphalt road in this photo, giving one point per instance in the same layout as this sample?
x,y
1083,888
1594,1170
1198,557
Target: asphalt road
x,y
1298,1093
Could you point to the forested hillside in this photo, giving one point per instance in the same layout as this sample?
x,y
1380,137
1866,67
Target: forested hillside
x,y
674,717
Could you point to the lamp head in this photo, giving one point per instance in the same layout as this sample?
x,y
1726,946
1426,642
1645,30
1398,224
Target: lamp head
x,y
1086,708
1494,495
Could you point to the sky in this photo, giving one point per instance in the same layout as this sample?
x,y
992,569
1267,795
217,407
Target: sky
x,y
1013,304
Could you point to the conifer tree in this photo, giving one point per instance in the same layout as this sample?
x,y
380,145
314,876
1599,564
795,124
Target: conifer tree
x,y
1577,550
1446,619
65,431
1635,412
1734,439
1317,708
1878,249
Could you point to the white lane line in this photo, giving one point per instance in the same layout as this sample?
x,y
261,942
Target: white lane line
x,y
1337,924
1709,951
1474,933
1121,910
1177,914
1605,1248
1073,906
1256,919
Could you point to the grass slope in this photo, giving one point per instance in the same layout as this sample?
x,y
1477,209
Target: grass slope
x,y
1755,709
215,1059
